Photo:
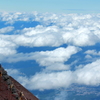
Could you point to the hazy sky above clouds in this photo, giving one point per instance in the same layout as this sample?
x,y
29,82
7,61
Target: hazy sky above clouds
x,y
57,6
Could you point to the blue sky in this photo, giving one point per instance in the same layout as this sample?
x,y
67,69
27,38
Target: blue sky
x,y
57,6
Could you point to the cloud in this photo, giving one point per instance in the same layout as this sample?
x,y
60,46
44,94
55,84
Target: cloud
x,y
39,36
89,74
80,37
7,51
58,66
88,57
7,47
59,55
61,96
15,73
93,52
6,29
52,60
79,30
54,36
11,18
66,29
76,31
12,71
86,75
43,81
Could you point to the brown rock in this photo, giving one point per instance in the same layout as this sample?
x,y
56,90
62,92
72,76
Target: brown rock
x,y
10,89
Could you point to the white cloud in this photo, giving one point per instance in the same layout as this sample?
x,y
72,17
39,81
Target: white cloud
x,y
61,96
12,71
11,18
74,32
59,55
15,73
92,52
52,60
58,66
39,36
70,29
6,29
87,75
7,47
80,37
79,30
43,81
7,51
88,57
56,36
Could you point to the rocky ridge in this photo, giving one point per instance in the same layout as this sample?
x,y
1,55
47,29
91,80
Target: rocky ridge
x,y
10,89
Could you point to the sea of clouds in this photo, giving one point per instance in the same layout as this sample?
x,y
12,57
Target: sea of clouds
x,y
76,31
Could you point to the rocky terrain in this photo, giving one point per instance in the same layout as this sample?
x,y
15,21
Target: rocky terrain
x,y
10,89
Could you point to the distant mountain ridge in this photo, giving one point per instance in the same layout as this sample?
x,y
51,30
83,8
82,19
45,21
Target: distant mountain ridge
x,y
10,89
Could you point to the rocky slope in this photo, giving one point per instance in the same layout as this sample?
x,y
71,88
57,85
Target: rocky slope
x,y
10,89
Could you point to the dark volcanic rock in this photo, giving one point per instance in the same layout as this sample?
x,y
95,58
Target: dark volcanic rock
x,y
10,89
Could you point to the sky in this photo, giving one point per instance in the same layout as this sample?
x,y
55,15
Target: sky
x,y
51,45
56,6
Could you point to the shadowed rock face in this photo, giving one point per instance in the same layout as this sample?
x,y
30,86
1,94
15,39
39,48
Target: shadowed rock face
x,y
10,89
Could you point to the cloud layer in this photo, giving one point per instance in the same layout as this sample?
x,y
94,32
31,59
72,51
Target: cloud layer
x,y
87,75
74,31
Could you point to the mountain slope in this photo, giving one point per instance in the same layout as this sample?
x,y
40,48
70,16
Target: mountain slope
x,y
10,89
